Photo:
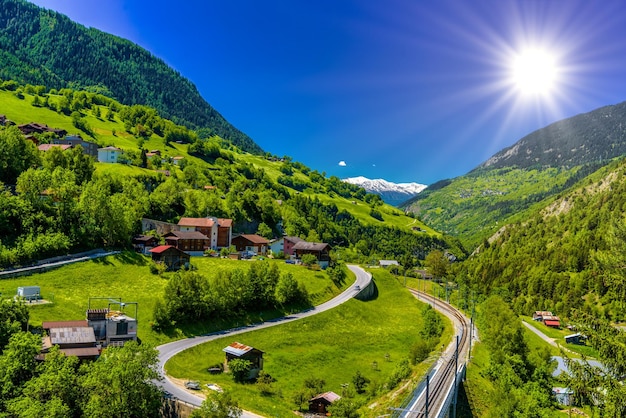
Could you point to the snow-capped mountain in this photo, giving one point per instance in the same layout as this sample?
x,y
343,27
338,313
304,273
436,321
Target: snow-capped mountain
x,y
392,193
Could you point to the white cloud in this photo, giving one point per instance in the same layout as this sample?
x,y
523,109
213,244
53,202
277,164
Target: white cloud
x,y
342,163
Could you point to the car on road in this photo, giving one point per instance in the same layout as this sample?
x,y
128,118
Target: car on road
x,y
357,288
192,384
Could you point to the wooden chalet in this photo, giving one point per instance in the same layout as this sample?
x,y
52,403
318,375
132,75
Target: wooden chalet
x,y
320,250
194,242
251,242
39,128
320,403
171,256
237,350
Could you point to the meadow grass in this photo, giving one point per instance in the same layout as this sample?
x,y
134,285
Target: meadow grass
x,y
127,275
333,346
559,337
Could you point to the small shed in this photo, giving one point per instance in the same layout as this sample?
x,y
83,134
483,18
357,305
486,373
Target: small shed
x,y
171,256
552,321
320,403
387,263
538,315
577,338
238,350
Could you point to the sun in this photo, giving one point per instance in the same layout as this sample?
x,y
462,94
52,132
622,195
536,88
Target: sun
x,y
534,72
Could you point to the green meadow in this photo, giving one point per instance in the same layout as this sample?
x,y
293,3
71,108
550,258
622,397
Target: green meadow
x,y
371,337
127,276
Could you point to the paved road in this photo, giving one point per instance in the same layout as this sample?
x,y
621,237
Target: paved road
x,y
169,350
22,271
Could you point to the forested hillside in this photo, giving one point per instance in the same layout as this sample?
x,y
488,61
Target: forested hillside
x,y
59,201
567,256
42,47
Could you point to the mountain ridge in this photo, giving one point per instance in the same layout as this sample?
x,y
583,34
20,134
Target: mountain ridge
x,y
43,47
391,193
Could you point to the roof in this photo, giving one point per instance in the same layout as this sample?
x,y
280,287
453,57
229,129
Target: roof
x,y
72,335
553,323
48,147
293,239
238,349
161,249
81,352
225,222
550,318
311,246
388,263
254,238
143,238
64,324
577,335
109,148
175,235
203,222
328,396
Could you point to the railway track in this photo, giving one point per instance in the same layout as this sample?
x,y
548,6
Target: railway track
x,y
429,401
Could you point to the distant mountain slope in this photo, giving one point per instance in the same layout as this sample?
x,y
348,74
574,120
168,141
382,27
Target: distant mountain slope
x,y
595,136
391,193
539,166
40,46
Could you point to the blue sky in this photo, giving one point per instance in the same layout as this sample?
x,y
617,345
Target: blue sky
x,y
405,90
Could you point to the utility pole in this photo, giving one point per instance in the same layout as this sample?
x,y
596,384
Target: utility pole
x,y
456,373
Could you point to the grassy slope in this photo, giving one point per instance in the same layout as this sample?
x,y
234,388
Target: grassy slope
x,y
473,207
128,276
21,111
332,345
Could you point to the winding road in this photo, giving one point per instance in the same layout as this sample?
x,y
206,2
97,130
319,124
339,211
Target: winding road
x,y
169,350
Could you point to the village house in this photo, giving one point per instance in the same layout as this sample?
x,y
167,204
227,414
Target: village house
x,y
320,403
171,256
237,350
277,245
144,243
74,338
38,128
218,230
320,250
387,263
89,148
109,154
288,244
192,242
251,242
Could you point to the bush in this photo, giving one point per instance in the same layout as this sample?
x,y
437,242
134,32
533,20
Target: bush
x,y
240,369
401,371
421,350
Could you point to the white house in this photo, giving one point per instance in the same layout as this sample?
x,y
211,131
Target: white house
x,y
108,154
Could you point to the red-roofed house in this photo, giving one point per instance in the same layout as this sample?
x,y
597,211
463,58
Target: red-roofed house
x,y
219,230
251,242
552,321
171,256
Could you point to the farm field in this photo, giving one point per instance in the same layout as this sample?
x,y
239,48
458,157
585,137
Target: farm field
x,y
127,275
371,337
